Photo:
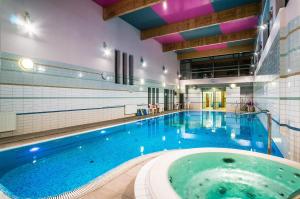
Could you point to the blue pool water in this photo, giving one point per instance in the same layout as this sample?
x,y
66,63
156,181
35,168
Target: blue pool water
x,y
51,168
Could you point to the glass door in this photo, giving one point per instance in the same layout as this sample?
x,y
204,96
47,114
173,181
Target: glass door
x,y
208,102
214,99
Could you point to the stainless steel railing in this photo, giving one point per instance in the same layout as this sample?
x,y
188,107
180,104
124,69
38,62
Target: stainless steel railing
x,y
269,127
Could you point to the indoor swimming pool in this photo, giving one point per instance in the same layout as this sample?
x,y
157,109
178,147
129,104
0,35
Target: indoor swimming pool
x,y
62,165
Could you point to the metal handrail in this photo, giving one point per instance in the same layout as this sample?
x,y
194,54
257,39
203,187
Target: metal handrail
x,y
269,127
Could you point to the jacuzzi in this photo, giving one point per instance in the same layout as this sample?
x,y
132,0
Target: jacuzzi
x,y
215,173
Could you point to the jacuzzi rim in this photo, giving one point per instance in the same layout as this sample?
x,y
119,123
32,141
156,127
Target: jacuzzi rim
x,y
154,179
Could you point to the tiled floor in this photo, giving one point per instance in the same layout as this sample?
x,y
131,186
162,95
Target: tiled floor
x,y
120,186
41,136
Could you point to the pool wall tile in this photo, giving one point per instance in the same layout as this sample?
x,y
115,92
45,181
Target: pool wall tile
x,y
57,97
276,88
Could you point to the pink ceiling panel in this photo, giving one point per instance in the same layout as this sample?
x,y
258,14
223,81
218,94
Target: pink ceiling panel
x,y
211,47
105,3
177,10
239,25
176,37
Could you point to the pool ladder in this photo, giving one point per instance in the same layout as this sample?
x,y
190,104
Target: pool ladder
x,y
269,127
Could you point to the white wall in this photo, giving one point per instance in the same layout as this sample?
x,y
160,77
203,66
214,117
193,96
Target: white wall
x,y
72,31
68,42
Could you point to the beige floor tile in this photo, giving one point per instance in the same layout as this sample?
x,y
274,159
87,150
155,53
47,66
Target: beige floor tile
x,y
129,191
101,193
120,183
134,171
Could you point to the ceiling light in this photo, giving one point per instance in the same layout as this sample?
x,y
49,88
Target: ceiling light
x,y
165,5
263,26
26,63
164,84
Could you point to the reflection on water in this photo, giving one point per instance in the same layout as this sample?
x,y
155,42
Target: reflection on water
x,y
82,158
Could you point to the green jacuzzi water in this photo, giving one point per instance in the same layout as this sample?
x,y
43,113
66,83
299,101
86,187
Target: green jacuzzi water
x,y
232,176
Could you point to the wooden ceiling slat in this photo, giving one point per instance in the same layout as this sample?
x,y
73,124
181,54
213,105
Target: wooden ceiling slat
x,y
202,21
126,6
248,34
209,53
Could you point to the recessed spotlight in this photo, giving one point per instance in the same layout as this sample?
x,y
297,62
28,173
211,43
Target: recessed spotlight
x,y
142,148
34,149
26,63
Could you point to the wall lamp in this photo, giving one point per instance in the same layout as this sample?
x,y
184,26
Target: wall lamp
x,y
104,76
26,64
143,63
142,81
106,50
165,70
24,22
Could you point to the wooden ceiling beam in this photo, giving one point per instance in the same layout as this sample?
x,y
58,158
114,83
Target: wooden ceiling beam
x,y
126,6
203,21
218,52
238,36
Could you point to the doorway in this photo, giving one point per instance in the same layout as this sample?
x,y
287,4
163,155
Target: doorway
x,y
214,99
166,99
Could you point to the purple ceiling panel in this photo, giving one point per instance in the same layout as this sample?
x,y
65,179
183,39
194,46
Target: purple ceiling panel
x,y
239,25
211,47
176,37
105,3
177,10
